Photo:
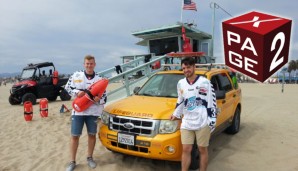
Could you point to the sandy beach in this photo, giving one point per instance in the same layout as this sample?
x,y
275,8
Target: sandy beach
x,y
268,138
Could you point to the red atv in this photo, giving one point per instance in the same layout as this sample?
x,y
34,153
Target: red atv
x,y
38,81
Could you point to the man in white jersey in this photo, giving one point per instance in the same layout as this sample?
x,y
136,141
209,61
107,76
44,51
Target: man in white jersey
x,y
76,87
196,105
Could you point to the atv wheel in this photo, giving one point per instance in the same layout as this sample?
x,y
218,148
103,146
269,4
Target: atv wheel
x,y
29,97
13,101
64,96
52,98
234,128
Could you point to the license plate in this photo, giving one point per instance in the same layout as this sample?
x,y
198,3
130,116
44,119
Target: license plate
x,y
126,139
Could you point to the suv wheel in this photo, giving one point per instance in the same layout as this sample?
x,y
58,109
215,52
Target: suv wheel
x,y
13,101
194,164
64,96
29,97
234,128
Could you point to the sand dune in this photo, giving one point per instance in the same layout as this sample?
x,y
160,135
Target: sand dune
x,y
268,139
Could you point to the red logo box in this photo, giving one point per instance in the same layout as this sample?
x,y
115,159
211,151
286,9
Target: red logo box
x,y
256,44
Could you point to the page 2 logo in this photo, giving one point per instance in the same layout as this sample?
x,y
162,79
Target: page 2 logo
x,y
256,44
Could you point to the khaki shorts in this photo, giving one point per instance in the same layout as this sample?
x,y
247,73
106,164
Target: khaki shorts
x,y
202,135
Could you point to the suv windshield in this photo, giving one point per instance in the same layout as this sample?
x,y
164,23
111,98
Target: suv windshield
x,y
28,73
161,85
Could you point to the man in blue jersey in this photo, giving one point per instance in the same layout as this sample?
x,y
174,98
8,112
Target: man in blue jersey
x,y
196,105
75,86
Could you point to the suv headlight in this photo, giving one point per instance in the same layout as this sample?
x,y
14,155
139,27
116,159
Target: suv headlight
x,y
168,126
105,117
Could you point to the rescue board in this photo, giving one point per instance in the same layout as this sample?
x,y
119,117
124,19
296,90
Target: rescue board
x,y
96,89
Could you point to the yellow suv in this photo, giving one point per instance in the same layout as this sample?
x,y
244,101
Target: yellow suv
x,y
139,125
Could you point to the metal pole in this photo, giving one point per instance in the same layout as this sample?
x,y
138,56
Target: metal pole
x,y
213,22
283,82
215,6
182,3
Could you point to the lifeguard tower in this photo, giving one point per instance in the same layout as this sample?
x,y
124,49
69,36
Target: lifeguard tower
x,y
166,39
160,42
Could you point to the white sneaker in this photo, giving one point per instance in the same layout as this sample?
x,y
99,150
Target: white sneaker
x,y
91,162
71,166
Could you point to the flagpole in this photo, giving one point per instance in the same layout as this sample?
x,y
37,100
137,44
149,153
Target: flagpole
x,y
181,10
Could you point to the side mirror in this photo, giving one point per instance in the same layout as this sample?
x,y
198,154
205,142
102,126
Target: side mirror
x,y
136,89
220,94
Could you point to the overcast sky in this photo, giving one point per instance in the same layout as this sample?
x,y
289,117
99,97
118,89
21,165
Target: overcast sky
x,y
65,31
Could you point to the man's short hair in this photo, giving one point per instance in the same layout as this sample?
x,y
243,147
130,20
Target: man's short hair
x,y
188,61
89,57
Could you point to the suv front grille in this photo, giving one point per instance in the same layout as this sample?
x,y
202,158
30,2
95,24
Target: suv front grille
x,y
144,127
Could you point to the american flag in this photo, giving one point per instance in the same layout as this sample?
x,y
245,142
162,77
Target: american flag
x,y
189,5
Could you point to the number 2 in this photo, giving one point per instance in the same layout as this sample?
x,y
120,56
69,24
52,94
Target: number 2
x,y
280,36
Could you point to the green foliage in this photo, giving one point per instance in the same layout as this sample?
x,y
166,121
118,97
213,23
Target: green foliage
x,y
293,65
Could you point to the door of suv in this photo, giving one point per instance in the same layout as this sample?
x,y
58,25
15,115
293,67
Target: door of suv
x,y
223,82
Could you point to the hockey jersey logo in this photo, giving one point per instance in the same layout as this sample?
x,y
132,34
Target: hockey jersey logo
x,y
191,103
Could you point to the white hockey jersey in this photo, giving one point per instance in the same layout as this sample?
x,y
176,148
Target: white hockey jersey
x,y
197,103
79,82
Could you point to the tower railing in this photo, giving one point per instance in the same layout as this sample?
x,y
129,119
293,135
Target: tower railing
x,y
130,78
